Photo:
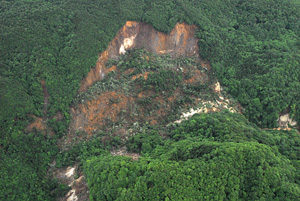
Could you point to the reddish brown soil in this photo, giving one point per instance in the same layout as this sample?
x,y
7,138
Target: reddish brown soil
x,y
90,116
129,71
145,75
180,42
105,108
38,124
195,78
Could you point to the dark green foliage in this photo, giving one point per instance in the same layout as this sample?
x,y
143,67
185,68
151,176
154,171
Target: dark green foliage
x,y
14,101
197,89
220,156
163,15
23,167
256,43
229,127
144,143
251,40
253,47
59,127
61,190
164,80
53,41
84,150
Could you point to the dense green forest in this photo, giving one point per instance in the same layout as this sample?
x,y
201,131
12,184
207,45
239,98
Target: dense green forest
x,y
218,156
253,47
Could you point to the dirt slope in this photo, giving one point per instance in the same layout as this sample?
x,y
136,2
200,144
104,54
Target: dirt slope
x,y
181,41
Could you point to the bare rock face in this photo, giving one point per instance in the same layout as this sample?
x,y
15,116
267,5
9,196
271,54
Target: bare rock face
x,y
181,41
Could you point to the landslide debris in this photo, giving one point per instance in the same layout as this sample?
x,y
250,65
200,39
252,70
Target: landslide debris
x,y
144,76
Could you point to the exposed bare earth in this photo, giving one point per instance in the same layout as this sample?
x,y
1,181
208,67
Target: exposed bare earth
x,y
79,190
92,115
123,152
40,122
181,41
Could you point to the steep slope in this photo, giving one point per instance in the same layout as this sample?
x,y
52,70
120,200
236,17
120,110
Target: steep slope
x,y
180,42
125,84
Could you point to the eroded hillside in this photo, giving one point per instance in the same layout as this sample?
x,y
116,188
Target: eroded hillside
x,y
144,80
145,76
180,42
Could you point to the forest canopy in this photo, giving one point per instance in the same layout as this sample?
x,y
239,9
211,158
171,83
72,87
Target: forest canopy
x,y
218,156
253,48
